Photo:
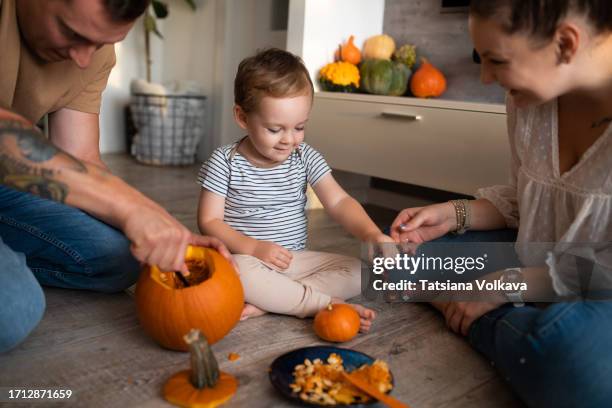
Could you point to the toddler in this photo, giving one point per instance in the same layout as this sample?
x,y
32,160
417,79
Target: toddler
x,y
254,196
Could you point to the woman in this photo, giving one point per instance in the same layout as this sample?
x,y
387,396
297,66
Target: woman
x,y
554,57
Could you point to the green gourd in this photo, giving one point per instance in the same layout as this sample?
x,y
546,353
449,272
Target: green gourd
x,y
384,77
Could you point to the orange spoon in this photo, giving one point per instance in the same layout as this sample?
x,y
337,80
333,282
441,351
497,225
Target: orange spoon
x,y
373,391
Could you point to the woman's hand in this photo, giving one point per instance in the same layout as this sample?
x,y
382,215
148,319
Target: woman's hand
x,y
273,254
422,224
459,316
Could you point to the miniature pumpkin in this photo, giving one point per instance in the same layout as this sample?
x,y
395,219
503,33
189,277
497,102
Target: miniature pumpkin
x,y
338,322
339,77
210,300
406,54
204,386
427,81
383,77
349,53
378,47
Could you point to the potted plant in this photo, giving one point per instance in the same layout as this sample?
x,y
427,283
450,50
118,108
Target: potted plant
x,y
159,11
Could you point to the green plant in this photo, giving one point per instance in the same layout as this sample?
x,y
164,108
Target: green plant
x,y
157,10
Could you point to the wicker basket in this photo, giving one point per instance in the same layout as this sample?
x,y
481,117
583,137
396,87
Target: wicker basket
x,y
168,128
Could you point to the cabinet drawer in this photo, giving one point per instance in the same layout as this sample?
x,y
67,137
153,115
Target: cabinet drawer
x,y
448,149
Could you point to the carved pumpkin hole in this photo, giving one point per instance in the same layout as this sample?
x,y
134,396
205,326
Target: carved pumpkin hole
x,y
199,272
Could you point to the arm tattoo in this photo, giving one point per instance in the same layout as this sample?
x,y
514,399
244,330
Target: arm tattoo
x,y
36,149
24,162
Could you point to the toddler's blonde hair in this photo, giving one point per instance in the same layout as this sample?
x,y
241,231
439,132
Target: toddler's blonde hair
x,y
271,72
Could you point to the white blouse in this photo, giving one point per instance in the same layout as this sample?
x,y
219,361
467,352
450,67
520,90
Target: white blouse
x,y
572,211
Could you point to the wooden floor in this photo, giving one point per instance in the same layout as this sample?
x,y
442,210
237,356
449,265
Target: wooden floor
x,y
92,344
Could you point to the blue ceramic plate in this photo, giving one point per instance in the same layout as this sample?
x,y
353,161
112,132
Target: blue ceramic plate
x,y
281,370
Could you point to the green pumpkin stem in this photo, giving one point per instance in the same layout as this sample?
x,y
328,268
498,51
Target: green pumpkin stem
x,y
204,366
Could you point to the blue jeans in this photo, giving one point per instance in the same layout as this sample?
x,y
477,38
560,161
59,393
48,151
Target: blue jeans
x,y
557,356
46,243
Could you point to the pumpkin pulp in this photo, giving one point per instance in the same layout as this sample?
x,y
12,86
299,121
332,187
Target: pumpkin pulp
x,y
198,273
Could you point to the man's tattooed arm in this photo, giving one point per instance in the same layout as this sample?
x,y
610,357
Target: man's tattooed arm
x,y
29,162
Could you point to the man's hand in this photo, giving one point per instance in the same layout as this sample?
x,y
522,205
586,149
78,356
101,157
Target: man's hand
x,y
274,254
159,239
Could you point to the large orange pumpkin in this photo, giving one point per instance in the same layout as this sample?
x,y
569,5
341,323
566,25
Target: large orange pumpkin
x,y
338,322
212,302
428,81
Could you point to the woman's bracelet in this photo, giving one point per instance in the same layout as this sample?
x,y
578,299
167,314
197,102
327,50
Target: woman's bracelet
x,y
463,214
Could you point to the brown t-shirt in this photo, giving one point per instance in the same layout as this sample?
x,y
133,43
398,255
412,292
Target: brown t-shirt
x,y
34,88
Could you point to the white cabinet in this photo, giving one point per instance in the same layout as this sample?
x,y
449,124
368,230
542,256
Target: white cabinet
x,y
447,145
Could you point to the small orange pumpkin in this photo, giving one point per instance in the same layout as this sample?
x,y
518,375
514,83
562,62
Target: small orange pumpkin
x,y
338,322
428,81
211,301
350,53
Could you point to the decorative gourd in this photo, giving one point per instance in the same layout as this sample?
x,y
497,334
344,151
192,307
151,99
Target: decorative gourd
x,y
339,77
204,386
406,54
210,300
338,322
383,77
427,81
378,47
349,53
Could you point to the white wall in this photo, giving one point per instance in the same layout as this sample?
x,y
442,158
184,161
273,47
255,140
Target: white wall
x,y
243,27
315,30
205,46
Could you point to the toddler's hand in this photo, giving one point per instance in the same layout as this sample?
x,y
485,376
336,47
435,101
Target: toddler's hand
x,y
381,239
382,244
422,224
274,254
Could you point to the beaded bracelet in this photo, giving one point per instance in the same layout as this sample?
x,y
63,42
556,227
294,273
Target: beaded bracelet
x,y
462,212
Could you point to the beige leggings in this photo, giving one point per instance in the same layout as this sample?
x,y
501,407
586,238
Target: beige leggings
x,y
307,286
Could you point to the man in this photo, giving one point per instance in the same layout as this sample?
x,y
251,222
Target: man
x,y
61,211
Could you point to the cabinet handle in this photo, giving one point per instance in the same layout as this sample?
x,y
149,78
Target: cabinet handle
x,y
400,115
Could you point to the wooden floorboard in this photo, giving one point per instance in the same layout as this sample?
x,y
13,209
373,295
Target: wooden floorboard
x,y
92,343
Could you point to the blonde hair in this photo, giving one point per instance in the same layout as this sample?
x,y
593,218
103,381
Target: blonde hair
x,y
270,72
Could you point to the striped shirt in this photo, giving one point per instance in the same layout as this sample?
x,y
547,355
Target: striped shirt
x,y
267,204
